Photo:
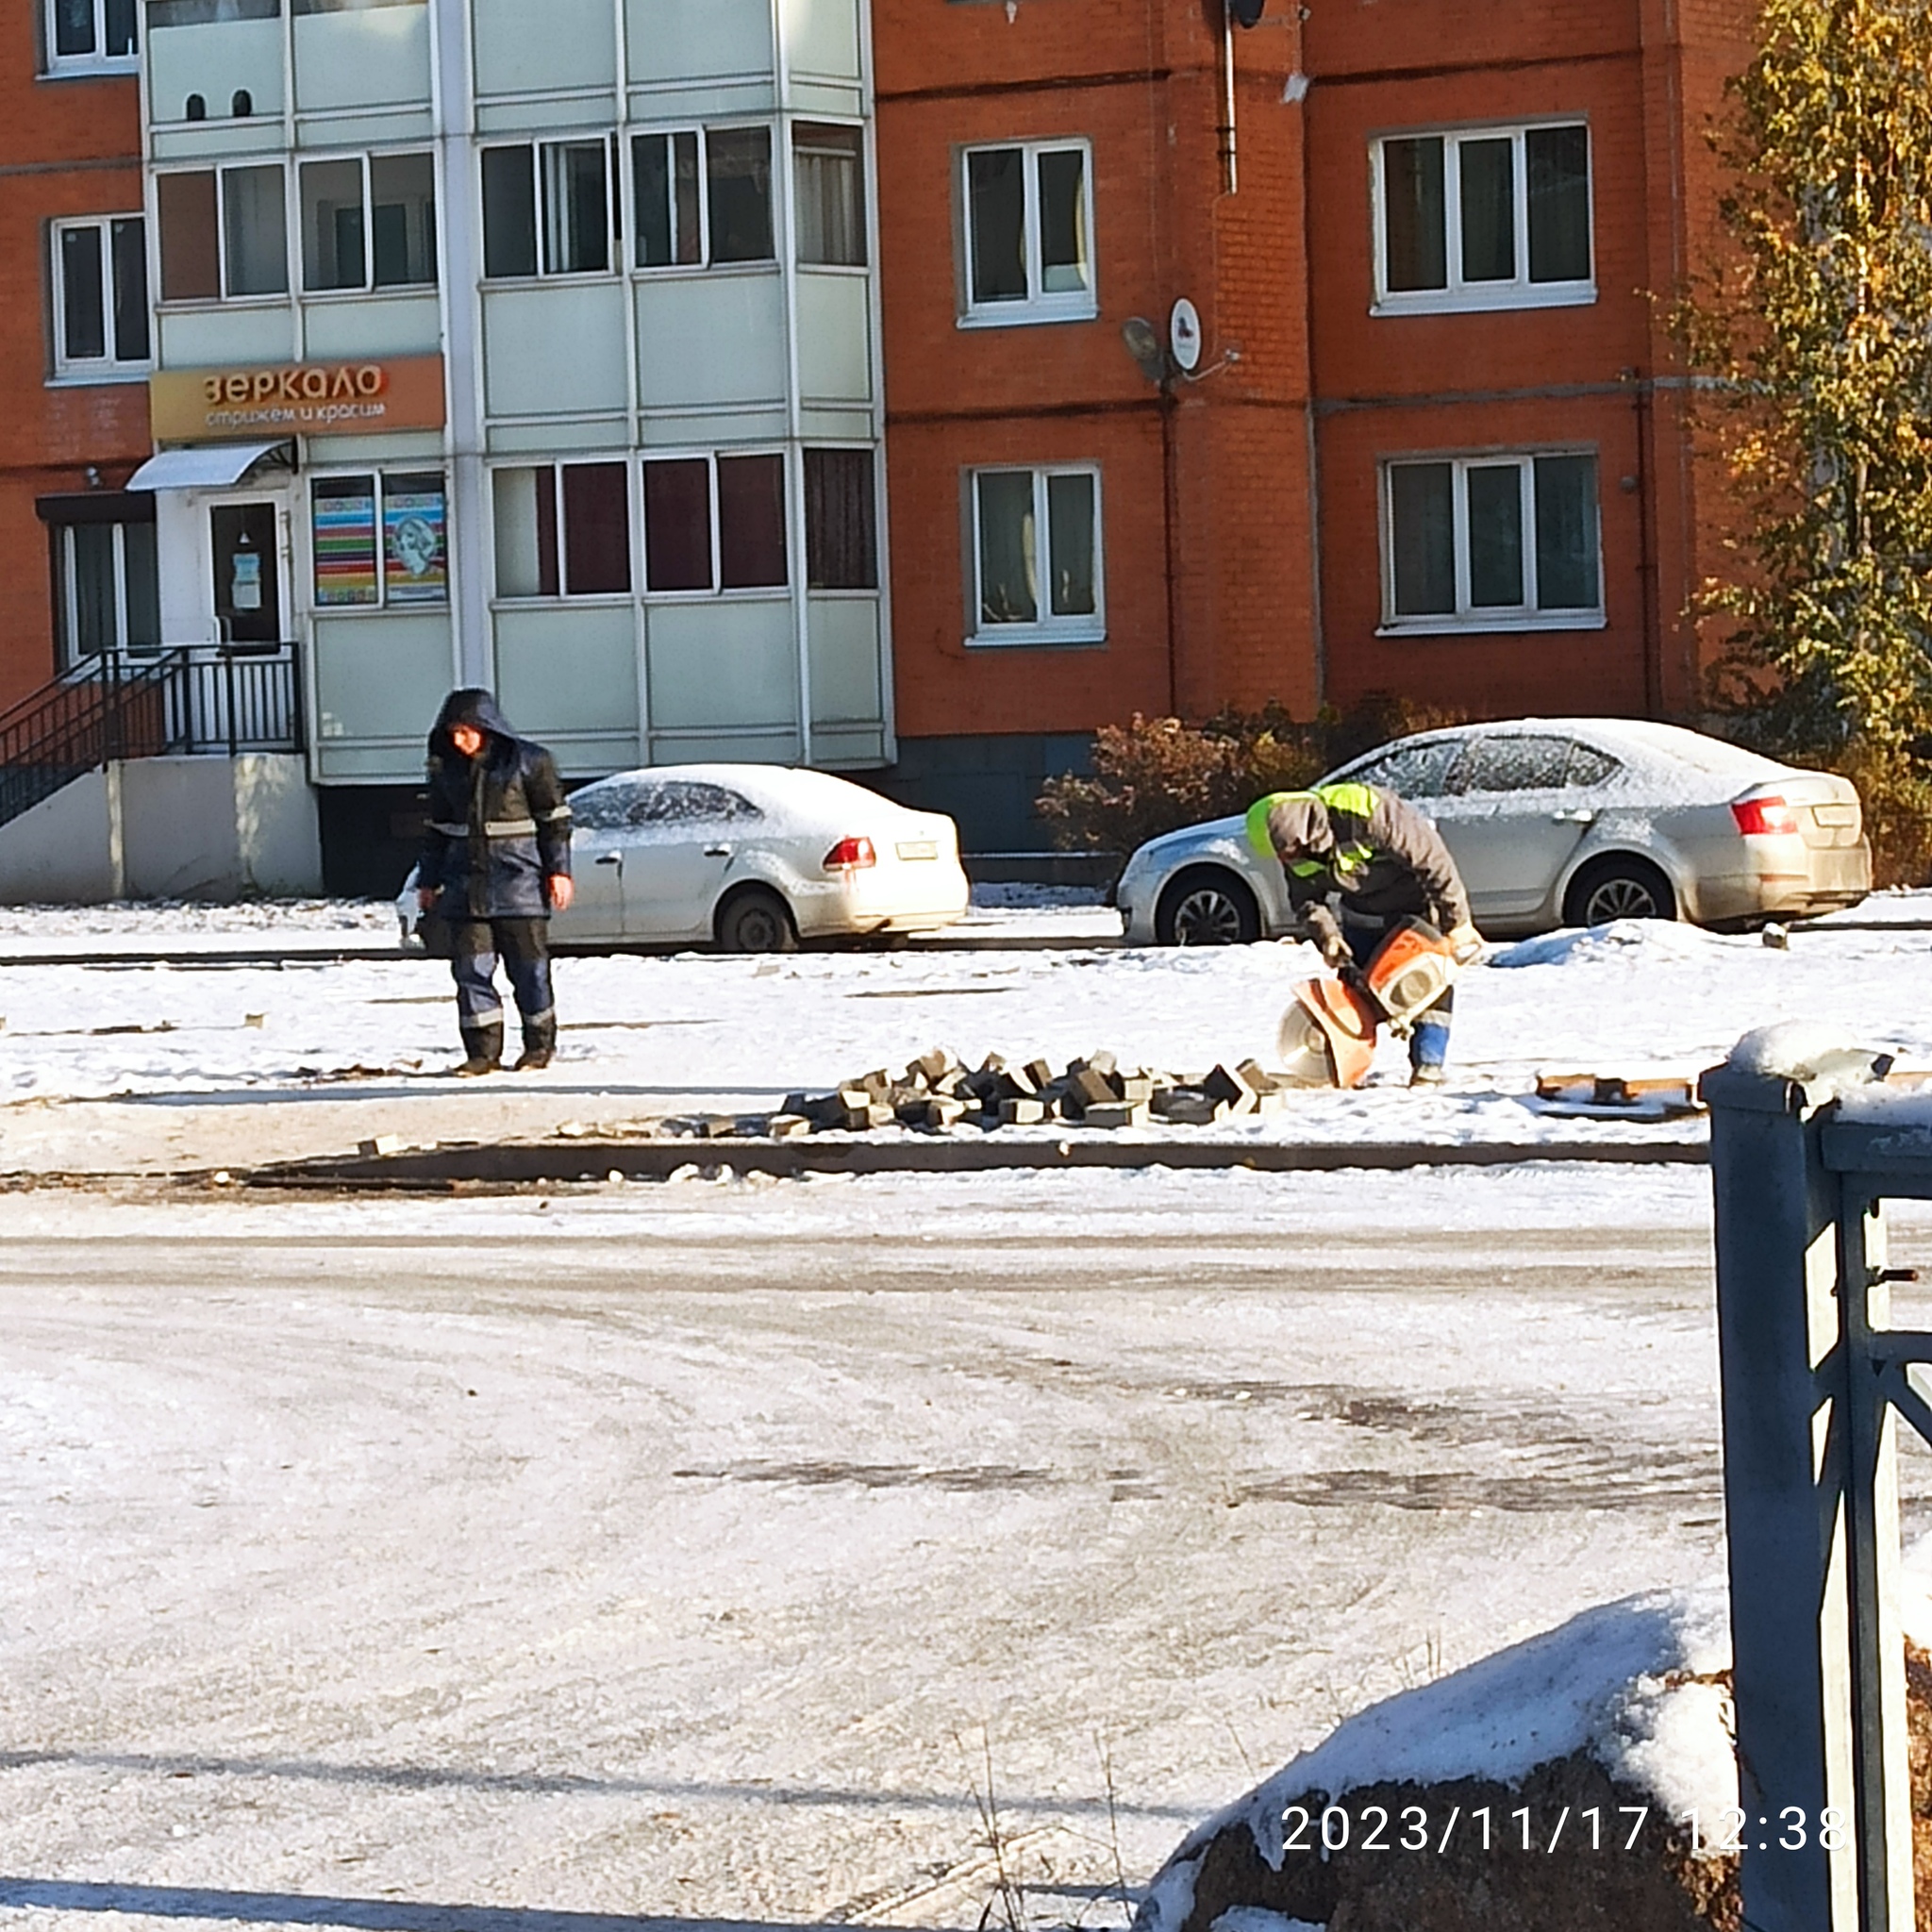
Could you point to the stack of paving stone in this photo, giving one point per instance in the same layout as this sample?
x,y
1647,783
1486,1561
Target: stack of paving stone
x,y
938,1092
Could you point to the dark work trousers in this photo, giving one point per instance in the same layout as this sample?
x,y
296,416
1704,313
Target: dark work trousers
x,y
1428,1040
523,945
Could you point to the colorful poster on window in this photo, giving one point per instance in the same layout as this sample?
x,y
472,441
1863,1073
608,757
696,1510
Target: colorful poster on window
x,y
346,541
414,540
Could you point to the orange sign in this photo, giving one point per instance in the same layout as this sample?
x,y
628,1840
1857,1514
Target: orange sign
x,y
296,399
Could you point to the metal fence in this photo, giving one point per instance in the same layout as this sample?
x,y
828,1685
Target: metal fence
x,y
121,705
1815,1380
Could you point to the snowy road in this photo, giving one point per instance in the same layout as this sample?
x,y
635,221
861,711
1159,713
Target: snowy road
x,y
687,1551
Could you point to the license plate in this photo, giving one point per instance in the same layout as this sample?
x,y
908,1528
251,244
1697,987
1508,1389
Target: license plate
x,y
918,849
1836,815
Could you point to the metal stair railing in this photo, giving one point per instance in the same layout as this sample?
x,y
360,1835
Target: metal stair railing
x,y
186,700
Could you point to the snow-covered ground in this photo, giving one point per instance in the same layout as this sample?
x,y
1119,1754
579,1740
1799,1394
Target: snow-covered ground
x,y
657,1036
693,1551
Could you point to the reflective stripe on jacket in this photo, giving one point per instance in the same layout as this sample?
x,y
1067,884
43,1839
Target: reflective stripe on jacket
x,y
1387,859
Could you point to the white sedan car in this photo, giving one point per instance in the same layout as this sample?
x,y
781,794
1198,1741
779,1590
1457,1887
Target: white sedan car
x,y
1554,821
748,859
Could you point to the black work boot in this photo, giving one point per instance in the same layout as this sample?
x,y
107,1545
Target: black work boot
x,y
484,1045
539,1044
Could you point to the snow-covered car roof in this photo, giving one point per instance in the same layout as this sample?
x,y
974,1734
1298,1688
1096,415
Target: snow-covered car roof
x,y
778,791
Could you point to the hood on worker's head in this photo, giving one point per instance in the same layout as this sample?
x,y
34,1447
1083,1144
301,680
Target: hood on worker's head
x,y
471,706
1290,825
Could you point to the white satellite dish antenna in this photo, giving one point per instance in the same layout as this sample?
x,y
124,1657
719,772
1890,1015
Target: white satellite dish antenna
x,y
1184,336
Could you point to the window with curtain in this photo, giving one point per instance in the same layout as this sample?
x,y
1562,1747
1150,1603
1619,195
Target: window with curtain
x,y
702,195
828,170
563,530
1492,542
99,305
225,232
1036,544
716,523
841,543
1028,233
84,34
255,232
1488,218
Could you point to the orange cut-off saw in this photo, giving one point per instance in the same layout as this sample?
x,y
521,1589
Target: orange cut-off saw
x,y
1329,1034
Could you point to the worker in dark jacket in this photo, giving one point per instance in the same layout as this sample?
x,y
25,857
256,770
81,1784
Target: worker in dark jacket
x,y
496,864
1380,861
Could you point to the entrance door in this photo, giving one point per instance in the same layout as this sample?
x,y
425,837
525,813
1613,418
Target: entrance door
x,y
248,591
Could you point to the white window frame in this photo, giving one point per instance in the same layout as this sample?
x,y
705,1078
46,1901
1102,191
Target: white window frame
x,y
369,287
93,369
1468,616
67,647
57,64
703,265
1046,629
563,595
737,593
616,181
1476,297
291,239
1081,305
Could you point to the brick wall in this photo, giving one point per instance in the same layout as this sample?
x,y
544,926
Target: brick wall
x,y
1320,392
67,147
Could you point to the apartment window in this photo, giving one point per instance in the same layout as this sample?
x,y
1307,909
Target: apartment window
x,y
1029,219
829,174
224,232
380,541
548,208
715,523
368,222
703,195
563,530
100,298
83,34
841,519
1036,546
107,587
1492,542
1492,218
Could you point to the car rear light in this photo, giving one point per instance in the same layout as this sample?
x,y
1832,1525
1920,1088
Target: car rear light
x,y
1764,818
851,854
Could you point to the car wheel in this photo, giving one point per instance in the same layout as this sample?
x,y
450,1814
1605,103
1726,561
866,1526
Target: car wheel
x,y
755,921
1621,888
1207,906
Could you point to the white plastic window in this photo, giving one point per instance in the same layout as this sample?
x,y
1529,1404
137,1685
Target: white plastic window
x,y
1492,543
100,306
369,222
1036,576
703,197
1028,233
1484,218
92,35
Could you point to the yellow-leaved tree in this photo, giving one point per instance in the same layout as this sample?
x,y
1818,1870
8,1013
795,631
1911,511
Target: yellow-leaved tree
x,y
1814,338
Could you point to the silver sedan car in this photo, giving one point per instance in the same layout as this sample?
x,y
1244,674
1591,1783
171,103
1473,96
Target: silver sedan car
x,y
1554,821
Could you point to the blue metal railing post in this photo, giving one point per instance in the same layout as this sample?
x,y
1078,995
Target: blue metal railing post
x,y
1811,1514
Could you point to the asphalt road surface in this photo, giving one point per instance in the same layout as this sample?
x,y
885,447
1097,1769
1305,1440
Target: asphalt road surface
x,y
720,1553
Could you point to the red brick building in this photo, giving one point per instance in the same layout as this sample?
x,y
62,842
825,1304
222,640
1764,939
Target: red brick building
x,y
73,338
1432,443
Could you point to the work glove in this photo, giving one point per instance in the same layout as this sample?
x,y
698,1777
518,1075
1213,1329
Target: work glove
x,y
1322,931
1465,942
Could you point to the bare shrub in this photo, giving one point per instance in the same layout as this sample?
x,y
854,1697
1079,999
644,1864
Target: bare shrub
x,y
1156,775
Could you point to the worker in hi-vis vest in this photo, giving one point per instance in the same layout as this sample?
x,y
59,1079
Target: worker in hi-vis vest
x,y
1379,860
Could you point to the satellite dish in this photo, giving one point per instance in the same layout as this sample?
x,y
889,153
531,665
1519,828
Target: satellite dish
x,y
1184,336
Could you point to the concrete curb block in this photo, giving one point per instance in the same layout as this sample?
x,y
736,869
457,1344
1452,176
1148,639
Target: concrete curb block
x,y
513,1164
